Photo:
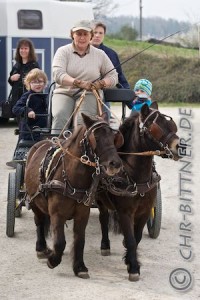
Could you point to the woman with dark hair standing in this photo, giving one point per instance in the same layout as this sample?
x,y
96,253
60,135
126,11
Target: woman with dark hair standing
x,y
26,60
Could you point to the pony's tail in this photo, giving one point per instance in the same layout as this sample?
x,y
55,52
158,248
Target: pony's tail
x,y
114,224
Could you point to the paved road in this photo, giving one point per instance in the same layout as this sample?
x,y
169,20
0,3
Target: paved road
x,y
22,276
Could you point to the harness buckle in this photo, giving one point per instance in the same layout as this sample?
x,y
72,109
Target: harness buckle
x,y
158,152
85,159
141,125
67,134
168,152
74,191
55,140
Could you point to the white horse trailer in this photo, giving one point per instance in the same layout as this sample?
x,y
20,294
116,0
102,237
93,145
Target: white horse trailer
x,y
46,22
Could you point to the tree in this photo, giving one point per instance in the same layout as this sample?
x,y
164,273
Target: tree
x,y
101,7
126,32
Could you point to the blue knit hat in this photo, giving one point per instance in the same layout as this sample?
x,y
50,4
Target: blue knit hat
x,y
144,85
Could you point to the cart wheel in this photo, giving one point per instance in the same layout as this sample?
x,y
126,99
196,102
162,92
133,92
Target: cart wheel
x,y
154,221
11,204
19,184
3,120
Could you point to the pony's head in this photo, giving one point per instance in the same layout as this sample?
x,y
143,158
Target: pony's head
x,y
161,129
104,142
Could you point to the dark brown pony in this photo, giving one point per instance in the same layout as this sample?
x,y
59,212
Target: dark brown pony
x,y
61,178
146,131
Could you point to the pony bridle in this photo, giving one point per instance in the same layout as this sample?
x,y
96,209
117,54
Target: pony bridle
x,y
156,132
89,139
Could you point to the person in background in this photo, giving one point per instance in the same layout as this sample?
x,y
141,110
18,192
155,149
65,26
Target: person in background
x,y
77,66
26,60
143,90
35,82
99,31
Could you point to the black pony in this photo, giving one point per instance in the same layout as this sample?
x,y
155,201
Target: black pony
x,y
133,192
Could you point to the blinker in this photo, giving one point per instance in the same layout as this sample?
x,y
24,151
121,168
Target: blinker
x,y
155,131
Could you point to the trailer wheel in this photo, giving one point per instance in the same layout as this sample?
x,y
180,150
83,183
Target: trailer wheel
x,y
154,221
19,186
11,204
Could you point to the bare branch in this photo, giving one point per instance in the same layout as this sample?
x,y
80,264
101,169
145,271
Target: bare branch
x,y
102,7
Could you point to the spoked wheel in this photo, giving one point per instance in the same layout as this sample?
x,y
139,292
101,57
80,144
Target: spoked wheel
x,y
19,185
154,221
11,204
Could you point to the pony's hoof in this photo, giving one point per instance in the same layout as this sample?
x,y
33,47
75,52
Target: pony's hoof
x,y
50,265
83,275
134,277
105,252
44,254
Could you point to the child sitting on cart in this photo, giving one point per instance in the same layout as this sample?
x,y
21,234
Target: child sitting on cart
x,y
35,82
31,108
143,90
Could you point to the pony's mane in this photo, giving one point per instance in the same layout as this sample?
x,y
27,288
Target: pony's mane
x,y
127,128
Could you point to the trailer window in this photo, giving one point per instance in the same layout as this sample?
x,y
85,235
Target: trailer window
x,y
29,19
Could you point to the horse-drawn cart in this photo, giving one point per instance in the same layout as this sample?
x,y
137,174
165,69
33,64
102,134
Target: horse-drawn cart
x,y
16,186
16,189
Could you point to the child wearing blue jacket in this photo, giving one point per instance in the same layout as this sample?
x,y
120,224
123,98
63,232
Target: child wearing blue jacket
x,y
35,82
143,90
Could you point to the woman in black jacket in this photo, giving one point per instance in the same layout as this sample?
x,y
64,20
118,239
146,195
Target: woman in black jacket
x,y
26,60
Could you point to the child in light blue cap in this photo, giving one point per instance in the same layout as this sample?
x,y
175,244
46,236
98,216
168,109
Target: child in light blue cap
x,y
143,90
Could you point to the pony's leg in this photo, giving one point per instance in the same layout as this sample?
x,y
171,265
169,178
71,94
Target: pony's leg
x,y
57,224
130,256
138,228
42,224
104,221
80,223
141,219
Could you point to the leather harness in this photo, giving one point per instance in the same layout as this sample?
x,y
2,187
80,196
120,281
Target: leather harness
x,y
56,154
